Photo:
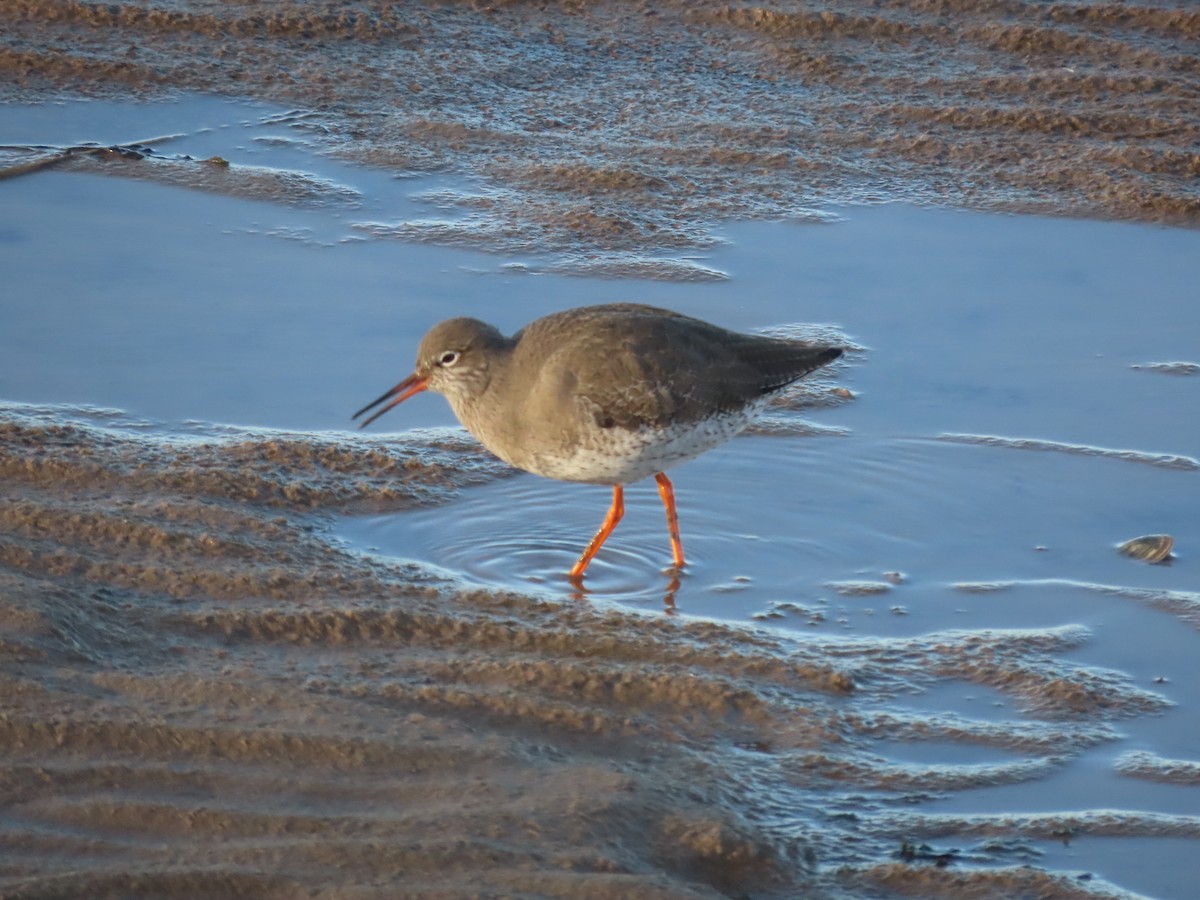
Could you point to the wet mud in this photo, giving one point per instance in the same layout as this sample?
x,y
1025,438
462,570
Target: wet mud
x,y
1162,460
214,175
609,132
198,679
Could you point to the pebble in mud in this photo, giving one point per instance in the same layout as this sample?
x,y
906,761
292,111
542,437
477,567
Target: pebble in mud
x,y
1151,548
860,588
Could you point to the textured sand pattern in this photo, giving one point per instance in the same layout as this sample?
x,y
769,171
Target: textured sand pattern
x,y
201,695
604,131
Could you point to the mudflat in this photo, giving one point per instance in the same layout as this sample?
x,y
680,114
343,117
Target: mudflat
x,y
246,651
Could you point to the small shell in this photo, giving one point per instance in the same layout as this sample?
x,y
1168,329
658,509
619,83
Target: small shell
x,y
1152,548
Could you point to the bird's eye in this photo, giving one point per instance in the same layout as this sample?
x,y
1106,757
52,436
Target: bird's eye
x,y
449,358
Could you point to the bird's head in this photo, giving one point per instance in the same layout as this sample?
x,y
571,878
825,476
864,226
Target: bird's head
x,y
454,360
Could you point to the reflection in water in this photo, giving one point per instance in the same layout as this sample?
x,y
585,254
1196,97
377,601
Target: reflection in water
x,y
581,592
669,595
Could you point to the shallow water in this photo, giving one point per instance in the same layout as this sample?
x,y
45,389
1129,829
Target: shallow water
x,y
177,388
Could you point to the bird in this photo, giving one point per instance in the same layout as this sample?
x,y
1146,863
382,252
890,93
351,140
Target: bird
x,y
607,394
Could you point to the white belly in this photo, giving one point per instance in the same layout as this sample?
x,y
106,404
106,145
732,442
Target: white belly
x,y
621,456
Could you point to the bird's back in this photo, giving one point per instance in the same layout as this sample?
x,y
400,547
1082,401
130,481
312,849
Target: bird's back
x,y
635,383
641,366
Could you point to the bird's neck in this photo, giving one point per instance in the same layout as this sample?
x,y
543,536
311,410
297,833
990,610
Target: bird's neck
x,y
476,403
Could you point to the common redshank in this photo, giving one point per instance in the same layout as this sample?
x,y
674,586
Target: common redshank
x,y
604,394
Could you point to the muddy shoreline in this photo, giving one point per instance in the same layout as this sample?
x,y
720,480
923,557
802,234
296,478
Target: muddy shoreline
x,y
192,672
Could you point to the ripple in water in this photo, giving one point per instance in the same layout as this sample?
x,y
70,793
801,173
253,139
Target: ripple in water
x,y
524,533
741,529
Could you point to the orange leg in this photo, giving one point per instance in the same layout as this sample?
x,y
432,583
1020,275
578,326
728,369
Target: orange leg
x,y
667,492
610,522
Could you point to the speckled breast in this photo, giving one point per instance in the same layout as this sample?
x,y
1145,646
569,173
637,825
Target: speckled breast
x,y
622,456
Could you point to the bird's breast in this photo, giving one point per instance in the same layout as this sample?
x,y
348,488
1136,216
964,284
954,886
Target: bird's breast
x,y
614,455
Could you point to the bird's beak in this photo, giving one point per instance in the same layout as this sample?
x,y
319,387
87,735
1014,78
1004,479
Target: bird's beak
x,y
413,384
